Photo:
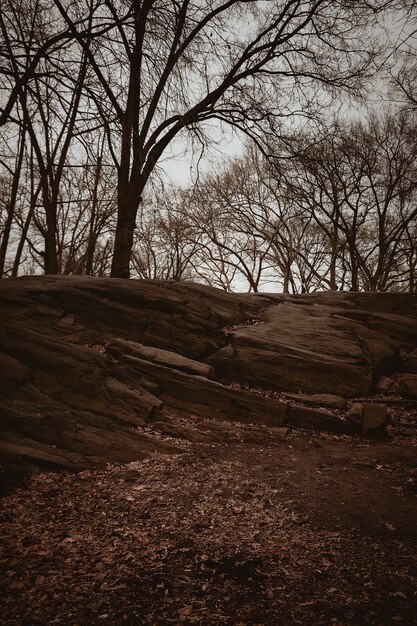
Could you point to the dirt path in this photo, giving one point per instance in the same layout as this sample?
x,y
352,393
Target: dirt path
x,y
304,529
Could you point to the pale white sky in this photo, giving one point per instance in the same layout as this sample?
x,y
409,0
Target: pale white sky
x,y
183,162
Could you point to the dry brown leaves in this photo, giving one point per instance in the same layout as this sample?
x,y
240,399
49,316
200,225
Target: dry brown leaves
x,y
221,534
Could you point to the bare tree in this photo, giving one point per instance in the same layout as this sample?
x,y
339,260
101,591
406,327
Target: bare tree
x,y
403,74
11,180
146,72
44,86
167,67
166,240
32,34
359,183
336,210
404,81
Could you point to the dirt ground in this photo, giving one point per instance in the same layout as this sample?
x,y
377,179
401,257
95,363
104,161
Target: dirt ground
x,y
272,528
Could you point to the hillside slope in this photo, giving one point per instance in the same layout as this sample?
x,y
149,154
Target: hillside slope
x,y
95,370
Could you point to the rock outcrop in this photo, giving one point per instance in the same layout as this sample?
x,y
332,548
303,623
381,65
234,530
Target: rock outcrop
x,y
87,364
333,343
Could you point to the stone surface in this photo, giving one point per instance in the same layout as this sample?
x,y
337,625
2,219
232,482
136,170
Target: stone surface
x,y
335,343
117,347
319,399
180,317
307,417
62,395
66,401
374,417
407,385
203,397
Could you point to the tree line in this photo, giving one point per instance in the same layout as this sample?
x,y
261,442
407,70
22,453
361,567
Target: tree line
x,y
339,212
93,93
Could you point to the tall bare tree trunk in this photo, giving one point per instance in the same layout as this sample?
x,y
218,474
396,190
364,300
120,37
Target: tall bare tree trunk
x,y
11,206
51,264
92,236
123,242
333,262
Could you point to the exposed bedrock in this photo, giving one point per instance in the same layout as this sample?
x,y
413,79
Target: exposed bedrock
x,y
337,343
88,364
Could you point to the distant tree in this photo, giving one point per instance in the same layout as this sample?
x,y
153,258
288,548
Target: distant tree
x,y
250,212
86,216
404,81
403,73
359,181
166,241
337,209
407,260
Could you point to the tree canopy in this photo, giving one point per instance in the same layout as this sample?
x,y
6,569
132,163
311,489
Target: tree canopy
x,y
106,87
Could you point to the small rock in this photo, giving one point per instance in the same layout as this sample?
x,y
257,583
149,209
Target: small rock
x,y
12,371
407,384
119,347
354,414
386,385
374,417
307,417
410,362
370,417
278,430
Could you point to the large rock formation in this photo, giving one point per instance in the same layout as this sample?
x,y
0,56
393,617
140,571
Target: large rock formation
x,y
336,343
87,364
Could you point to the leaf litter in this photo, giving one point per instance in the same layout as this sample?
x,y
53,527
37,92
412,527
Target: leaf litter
x,y
258,529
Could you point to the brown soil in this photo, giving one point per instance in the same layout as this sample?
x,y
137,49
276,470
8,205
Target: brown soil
x,y
269,529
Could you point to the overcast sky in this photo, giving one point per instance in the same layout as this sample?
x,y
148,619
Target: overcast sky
x,y
183,162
